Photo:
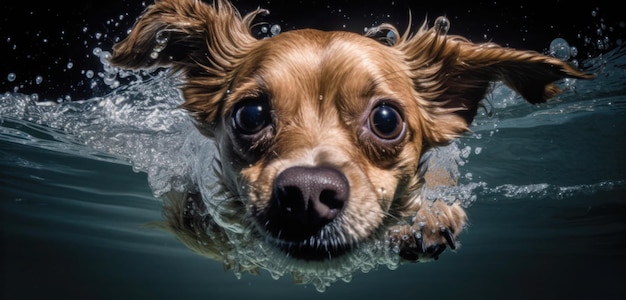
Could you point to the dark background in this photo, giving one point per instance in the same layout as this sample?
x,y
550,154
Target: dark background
x,y
41,39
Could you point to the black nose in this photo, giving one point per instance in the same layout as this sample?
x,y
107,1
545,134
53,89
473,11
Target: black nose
x,y
304,200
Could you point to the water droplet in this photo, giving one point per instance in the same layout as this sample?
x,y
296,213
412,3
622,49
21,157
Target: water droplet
x,y
275,29
162,37
442,25
391,37
158,48
11,77
560,49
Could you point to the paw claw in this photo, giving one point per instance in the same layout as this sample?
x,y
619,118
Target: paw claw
x,y
447,234
435,250
419,241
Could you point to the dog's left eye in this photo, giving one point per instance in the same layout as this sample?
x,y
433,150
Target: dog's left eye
x,y
252,115
386,122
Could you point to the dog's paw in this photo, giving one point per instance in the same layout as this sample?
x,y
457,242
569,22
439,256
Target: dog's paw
x,y
435,226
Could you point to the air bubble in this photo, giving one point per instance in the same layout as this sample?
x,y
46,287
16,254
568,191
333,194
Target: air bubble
x,y
275,29
391,37
38,79
11,77
442,25
560,49
162,37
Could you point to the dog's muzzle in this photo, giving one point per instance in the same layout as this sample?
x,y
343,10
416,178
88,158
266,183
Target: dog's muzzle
x,y
304,203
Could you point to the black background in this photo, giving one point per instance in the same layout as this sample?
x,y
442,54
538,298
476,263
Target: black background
x,y
40,39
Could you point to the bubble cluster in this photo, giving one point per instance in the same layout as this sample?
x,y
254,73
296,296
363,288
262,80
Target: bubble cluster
x,y
162,38
267,30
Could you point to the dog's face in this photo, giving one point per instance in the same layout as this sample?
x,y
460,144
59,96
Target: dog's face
x,y
324,139
320,134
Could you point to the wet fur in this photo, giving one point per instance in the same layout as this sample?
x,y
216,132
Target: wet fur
x,y
322,86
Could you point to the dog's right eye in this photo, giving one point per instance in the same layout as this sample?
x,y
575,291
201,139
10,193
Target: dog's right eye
x,y
386,122
251,116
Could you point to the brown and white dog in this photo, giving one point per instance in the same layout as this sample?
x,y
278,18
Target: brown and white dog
x,y
320,135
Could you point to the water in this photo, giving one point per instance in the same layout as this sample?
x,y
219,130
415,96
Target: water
x,y
544,187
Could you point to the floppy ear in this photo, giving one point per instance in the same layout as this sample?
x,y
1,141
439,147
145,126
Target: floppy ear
x,y
203,41
452,75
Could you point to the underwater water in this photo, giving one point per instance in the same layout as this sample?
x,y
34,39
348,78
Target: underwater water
x,y
544,187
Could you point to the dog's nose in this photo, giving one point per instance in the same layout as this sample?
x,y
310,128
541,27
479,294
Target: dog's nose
x,y
308,198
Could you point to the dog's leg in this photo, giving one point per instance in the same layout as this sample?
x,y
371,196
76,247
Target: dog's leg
x,y
435,225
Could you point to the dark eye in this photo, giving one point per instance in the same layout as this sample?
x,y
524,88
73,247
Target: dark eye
x,y
252,115
386,122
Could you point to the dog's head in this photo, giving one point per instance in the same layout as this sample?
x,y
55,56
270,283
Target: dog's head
x,y
320,134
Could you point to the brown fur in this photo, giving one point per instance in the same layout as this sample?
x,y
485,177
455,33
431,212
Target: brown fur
x,y
321,87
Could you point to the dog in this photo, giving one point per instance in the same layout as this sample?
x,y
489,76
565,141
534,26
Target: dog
x,y
320,135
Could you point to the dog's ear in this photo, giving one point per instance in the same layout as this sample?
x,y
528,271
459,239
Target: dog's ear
x,y
203,41
452,75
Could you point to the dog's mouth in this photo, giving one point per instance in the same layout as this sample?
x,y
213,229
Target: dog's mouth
x,y
303,217
320,246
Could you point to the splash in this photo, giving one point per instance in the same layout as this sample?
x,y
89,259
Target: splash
x,y
140,124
